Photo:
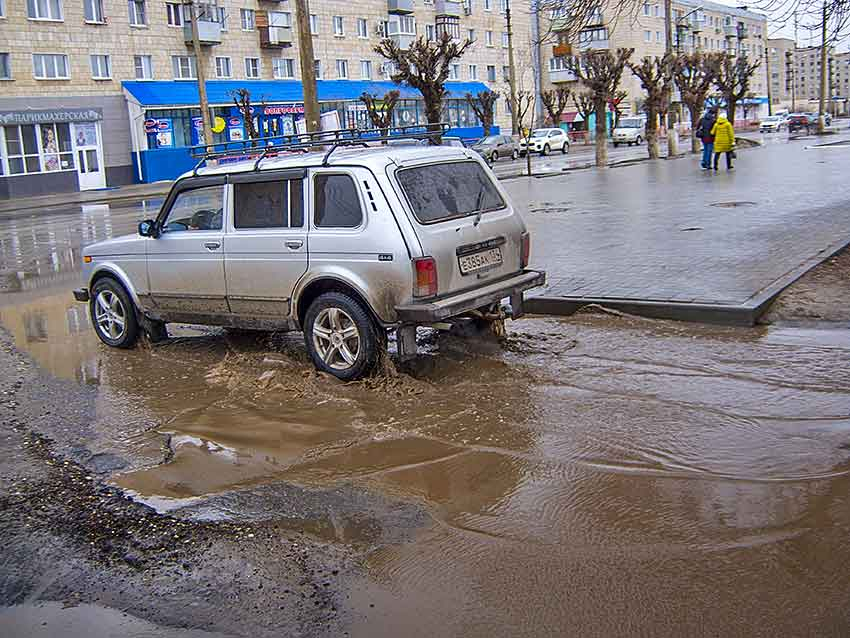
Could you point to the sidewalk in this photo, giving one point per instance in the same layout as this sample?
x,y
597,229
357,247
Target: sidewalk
x,y
100,196
667,239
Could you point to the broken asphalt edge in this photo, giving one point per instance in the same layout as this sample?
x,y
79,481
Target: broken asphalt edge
x,y
746,314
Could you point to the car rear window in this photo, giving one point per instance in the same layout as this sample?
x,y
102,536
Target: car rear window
x,y
443,191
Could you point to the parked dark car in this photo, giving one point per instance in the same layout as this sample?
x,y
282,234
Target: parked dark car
x,y
807,121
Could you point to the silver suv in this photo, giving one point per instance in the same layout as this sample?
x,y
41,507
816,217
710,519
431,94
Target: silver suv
x,y
344,247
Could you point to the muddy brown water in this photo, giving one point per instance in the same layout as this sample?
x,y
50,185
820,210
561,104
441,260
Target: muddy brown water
x,y
596,476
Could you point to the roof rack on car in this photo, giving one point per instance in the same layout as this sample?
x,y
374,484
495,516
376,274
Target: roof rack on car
x,y
263,147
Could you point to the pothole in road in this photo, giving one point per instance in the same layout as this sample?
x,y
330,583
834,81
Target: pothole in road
x,y
738,204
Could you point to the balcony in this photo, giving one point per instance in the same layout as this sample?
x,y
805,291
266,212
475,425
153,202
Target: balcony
x,y
743,32
400,6
730,31
561,22
596,45
452,8
275,37
402,31
594,38
209,32
561,75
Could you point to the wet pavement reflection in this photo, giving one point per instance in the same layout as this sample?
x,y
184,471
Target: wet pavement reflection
x,y
599,475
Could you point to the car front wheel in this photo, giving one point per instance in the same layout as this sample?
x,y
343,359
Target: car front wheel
x,y
545,150
494,157
341,337
515,154
113,314
638,140
565,148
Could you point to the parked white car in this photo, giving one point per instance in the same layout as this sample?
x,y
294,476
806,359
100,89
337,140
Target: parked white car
x,y
772,124
544,141
630,130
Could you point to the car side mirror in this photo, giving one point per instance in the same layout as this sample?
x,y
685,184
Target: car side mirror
x,y
147,228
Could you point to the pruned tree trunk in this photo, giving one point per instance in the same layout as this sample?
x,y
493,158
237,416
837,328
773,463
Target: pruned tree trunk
x,y
652,147
696,114
601,134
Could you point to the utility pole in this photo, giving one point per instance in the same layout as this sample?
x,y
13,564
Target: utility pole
x,y
823,72
672,141
511,69
769,83
308,66
200,70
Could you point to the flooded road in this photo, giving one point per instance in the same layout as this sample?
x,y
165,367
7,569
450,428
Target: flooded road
x,y
599,475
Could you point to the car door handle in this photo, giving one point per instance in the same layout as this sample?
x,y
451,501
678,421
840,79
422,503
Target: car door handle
x,y
212,245
294,244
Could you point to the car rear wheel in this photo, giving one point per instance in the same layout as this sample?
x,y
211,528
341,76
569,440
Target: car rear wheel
x,y
494,156
113,314
565,148
341,337
638,140
545,150
515,154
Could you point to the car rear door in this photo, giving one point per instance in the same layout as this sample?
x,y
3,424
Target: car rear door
x,y
464,221
266,252
186,260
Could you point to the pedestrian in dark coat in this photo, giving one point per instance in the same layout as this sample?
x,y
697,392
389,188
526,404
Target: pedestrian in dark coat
x,y
703,131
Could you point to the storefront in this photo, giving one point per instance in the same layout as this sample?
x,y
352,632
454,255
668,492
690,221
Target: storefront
x,y
166,120
63,144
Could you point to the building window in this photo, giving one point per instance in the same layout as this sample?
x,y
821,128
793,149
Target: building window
x,y
473,72
252,68
429,32
2,8
505,42
5,67
184,67
247,17
34,148
280,19
449,25
488,5
44,9
655,11
339,27
506,73
647,36
222,17
222,67
100,67
491,72
503,6
138,15
283,68
93,11
488,38
143,66
365,69
317,67
362,28
342,69
646,9
175,15
50,66
314,23
454,71
470,35
658,36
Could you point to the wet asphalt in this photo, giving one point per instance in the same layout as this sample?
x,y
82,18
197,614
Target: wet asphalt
x,y
600,475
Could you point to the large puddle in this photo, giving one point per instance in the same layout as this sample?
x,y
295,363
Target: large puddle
x,y
600,475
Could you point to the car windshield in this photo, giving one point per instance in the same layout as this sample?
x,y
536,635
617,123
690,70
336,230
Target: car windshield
x,y
771,118
492,139
540,133
444,191
630,124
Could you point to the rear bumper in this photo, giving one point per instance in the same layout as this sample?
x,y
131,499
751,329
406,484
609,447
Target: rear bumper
x,y
81,294
451,306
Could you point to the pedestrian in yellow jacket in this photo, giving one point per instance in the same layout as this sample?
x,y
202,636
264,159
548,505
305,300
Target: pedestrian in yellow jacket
x,y
724,140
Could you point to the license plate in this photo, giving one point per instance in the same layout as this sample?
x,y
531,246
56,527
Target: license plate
x,y
480,261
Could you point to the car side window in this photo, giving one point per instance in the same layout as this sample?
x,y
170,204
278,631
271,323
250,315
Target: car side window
x,y
336,202
196,209
273,204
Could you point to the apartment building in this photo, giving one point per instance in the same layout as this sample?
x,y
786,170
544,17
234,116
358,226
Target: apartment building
x,y
780,60
796,76
705,26
99,93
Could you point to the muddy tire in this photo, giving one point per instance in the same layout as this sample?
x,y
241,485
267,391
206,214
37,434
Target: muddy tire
x,y
342,337
113,314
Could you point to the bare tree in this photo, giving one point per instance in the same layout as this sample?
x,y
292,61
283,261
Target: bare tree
x,y
242,100
380,109
583,102
615,104
695,73
600,71
425,67
555,101
483,105
563,20
656,78
525,101
733,80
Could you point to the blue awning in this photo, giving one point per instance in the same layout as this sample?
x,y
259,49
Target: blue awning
x,y
172,93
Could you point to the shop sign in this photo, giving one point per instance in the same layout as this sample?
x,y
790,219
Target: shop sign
x,y
44,116
287,109
163,130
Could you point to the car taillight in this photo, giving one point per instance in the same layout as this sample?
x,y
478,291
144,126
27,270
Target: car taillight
x,y
526,250
426,277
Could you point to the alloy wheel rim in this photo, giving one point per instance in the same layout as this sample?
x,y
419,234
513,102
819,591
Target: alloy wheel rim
x,y
336,338
109,314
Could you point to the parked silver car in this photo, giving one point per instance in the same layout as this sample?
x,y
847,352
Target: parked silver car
x,y
345,248
496,147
